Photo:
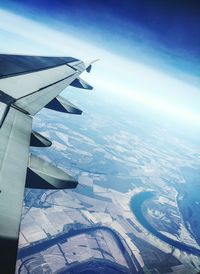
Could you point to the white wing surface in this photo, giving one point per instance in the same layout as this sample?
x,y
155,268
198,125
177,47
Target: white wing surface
x,y
27,84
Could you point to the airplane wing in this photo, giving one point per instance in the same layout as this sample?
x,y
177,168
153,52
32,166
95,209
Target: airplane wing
x,y
27,84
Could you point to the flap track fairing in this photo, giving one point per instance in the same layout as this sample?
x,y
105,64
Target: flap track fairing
x,y
62,105
80,83
38,140
43,175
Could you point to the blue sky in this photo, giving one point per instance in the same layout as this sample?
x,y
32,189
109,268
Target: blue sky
x,y
148,28
148,52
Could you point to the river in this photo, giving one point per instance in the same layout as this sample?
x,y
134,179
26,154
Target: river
x,y
136,208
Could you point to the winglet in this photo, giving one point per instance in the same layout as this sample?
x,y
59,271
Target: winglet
x,y
88,64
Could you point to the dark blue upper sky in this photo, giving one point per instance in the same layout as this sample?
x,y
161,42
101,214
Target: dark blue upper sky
x,y
166,30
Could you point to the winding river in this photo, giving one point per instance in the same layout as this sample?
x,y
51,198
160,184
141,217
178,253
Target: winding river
x,y
136,207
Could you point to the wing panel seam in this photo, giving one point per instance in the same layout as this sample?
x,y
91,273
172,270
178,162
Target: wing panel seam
x,y
34,70
45,87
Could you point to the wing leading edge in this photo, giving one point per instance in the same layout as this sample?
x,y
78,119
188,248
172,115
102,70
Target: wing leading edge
x,y
27,84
